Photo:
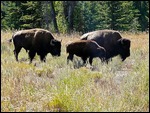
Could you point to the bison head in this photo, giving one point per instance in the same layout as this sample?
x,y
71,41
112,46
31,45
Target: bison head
x,y
55,48
124,48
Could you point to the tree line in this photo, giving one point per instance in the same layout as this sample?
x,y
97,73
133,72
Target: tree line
x,y
78,16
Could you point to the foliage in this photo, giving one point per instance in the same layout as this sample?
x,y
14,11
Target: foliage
x,y
143,11
80,16
62,24
28,20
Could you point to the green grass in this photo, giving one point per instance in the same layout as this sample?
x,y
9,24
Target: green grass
x,y
56,86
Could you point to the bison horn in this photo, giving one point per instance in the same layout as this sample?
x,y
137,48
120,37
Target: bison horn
x,y
122,41
51,43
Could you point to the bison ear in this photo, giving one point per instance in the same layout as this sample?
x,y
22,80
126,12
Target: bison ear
x,y
51,43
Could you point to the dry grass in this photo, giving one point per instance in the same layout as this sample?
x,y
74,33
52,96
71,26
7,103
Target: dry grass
x,y
56,86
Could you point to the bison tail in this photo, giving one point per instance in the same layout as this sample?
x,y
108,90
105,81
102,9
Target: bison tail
x,y
10,40
66,48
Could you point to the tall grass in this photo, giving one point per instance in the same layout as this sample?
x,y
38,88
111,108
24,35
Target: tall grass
x,y
56,86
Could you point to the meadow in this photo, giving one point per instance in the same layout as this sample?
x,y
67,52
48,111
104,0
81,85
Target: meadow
x,y
55,86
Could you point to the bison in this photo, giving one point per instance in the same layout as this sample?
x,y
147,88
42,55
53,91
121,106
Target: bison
x,y
85,49
112,41
38,41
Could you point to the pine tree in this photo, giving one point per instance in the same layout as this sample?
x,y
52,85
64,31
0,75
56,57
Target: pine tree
x,y
81,16
143,17
12,15
53,15
68,7
78,17
103,15
114,14
31,14
60,17
46,14
129,17
90,17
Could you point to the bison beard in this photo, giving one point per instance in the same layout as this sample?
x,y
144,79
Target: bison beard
x,y
38,41
112,41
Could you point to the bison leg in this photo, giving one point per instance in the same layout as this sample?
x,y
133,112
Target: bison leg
x,y
84,60
16,52
31,55
102,59
90,60
108,60
70,57
42,58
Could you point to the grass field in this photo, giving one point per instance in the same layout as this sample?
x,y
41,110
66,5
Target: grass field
x,y
56,86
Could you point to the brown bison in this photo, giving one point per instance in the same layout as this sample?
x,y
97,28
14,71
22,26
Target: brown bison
x,y
112,41
85,49
38,41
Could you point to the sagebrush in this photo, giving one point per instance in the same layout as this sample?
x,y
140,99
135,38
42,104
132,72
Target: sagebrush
x,y
55,86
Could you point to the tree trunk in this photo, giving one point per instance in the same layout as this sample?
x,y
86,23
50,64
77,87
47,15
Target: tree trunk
x,y
68,12
70,15
54,16
46,17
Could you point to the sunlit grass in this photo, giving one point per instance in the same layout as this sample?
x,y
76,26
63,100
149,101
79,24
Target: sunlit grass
x,y
56,86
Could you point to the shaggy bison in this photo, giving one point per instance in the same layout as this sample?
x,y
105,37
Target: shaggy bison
x,y
112,41
85,49
38,41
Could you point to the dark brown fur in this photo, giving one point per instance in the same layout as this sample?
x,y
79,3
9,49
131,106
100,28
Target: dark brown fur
x,y
112,41
38,41
85,49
